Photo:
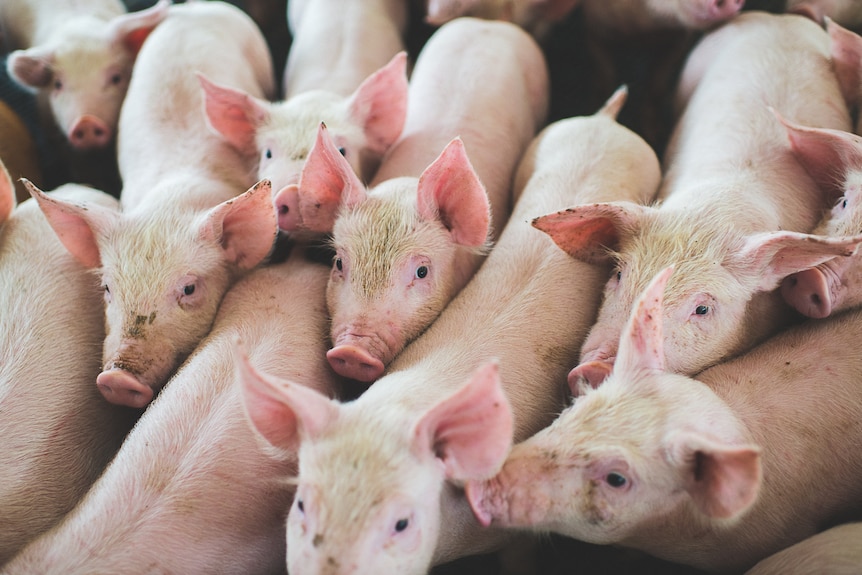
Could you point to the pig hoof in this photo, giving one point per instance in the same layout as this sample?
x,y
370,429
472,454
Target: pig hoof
x,y
355,363
123,388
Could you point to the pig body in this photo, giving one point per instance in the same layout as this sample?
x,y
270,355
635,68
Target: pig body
x,y
721,210
406,247
395,441
184,234
193,489
716,472
835,551
845,12
57,432
79,55
348,72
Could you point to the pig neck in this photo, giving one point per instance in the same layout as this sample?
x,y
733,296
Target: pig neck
x,y
795,394
193,480
337,44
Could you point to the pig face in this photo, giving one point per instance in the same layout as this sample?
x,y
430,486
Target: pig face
x,y
624,457
371,474
718,272
85,71
162,289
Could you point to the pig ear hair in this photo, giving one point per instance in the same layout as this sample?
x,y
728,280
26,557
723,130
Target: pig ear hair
x,y
642,344
232,113
282,412
132,28
769,257
615,103
379,104
846,48
471,430
827,155
76,225
7,194
31,68
246,226
723,480
589,232
450,190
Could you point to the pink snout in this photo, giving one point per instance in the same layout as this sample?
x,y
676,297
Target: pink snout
x,y
809,292
594,372
121,387
89,132
354,362
287,208
720,10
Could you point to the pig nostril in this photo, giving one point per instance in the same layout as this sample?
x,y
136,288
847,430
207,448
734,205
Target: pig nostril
x,y
815,299
793,281
100,132
283,209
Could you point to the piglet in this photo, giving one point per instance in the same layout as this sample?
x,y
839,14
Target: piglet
x,y
437,417
715,473
408,245
737,204
56,431
835,551
193,490
79,55
186,231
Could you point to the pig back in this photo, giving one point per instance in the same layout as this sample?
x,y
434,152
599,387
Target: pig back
x,y
56,430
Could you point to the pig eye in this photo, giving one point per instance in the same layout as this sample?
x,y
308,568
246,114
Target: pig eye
x,y
267,154
844,203
401,525
116,79
421,272
300,506
189,289
701,310
619,275
342,151
58,85
616,480
338,264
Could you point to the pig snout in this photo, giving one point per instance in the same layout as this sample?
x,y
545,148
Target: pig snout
x,y
809,291
353,361
89,132
123,388
287,208
514,497
720,10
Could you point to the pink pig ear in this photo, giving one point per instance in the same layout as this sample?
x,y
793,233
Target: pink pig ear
x,y
590,231
825,154
471,430
723,480
284,413
132,29
327,183
32,68
615,103
769,257
379,104
846,48
77,226
450,190
233,113
7,194
245,226
642,343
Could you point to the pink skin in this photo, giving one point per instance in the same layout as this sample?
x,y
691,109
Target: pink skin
x,y
194,483
835,550
82,61
684,469
847,13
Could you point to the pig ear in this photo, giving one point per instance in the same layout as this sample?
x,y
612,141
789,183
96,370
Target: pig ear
x,y
770,257
471,430
589,232
615,103
77,226
245,226
825,154
379,104
450,190
327,182
284,413
846,47
723,480
233,113
7,194
642,344
132,28
32,68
